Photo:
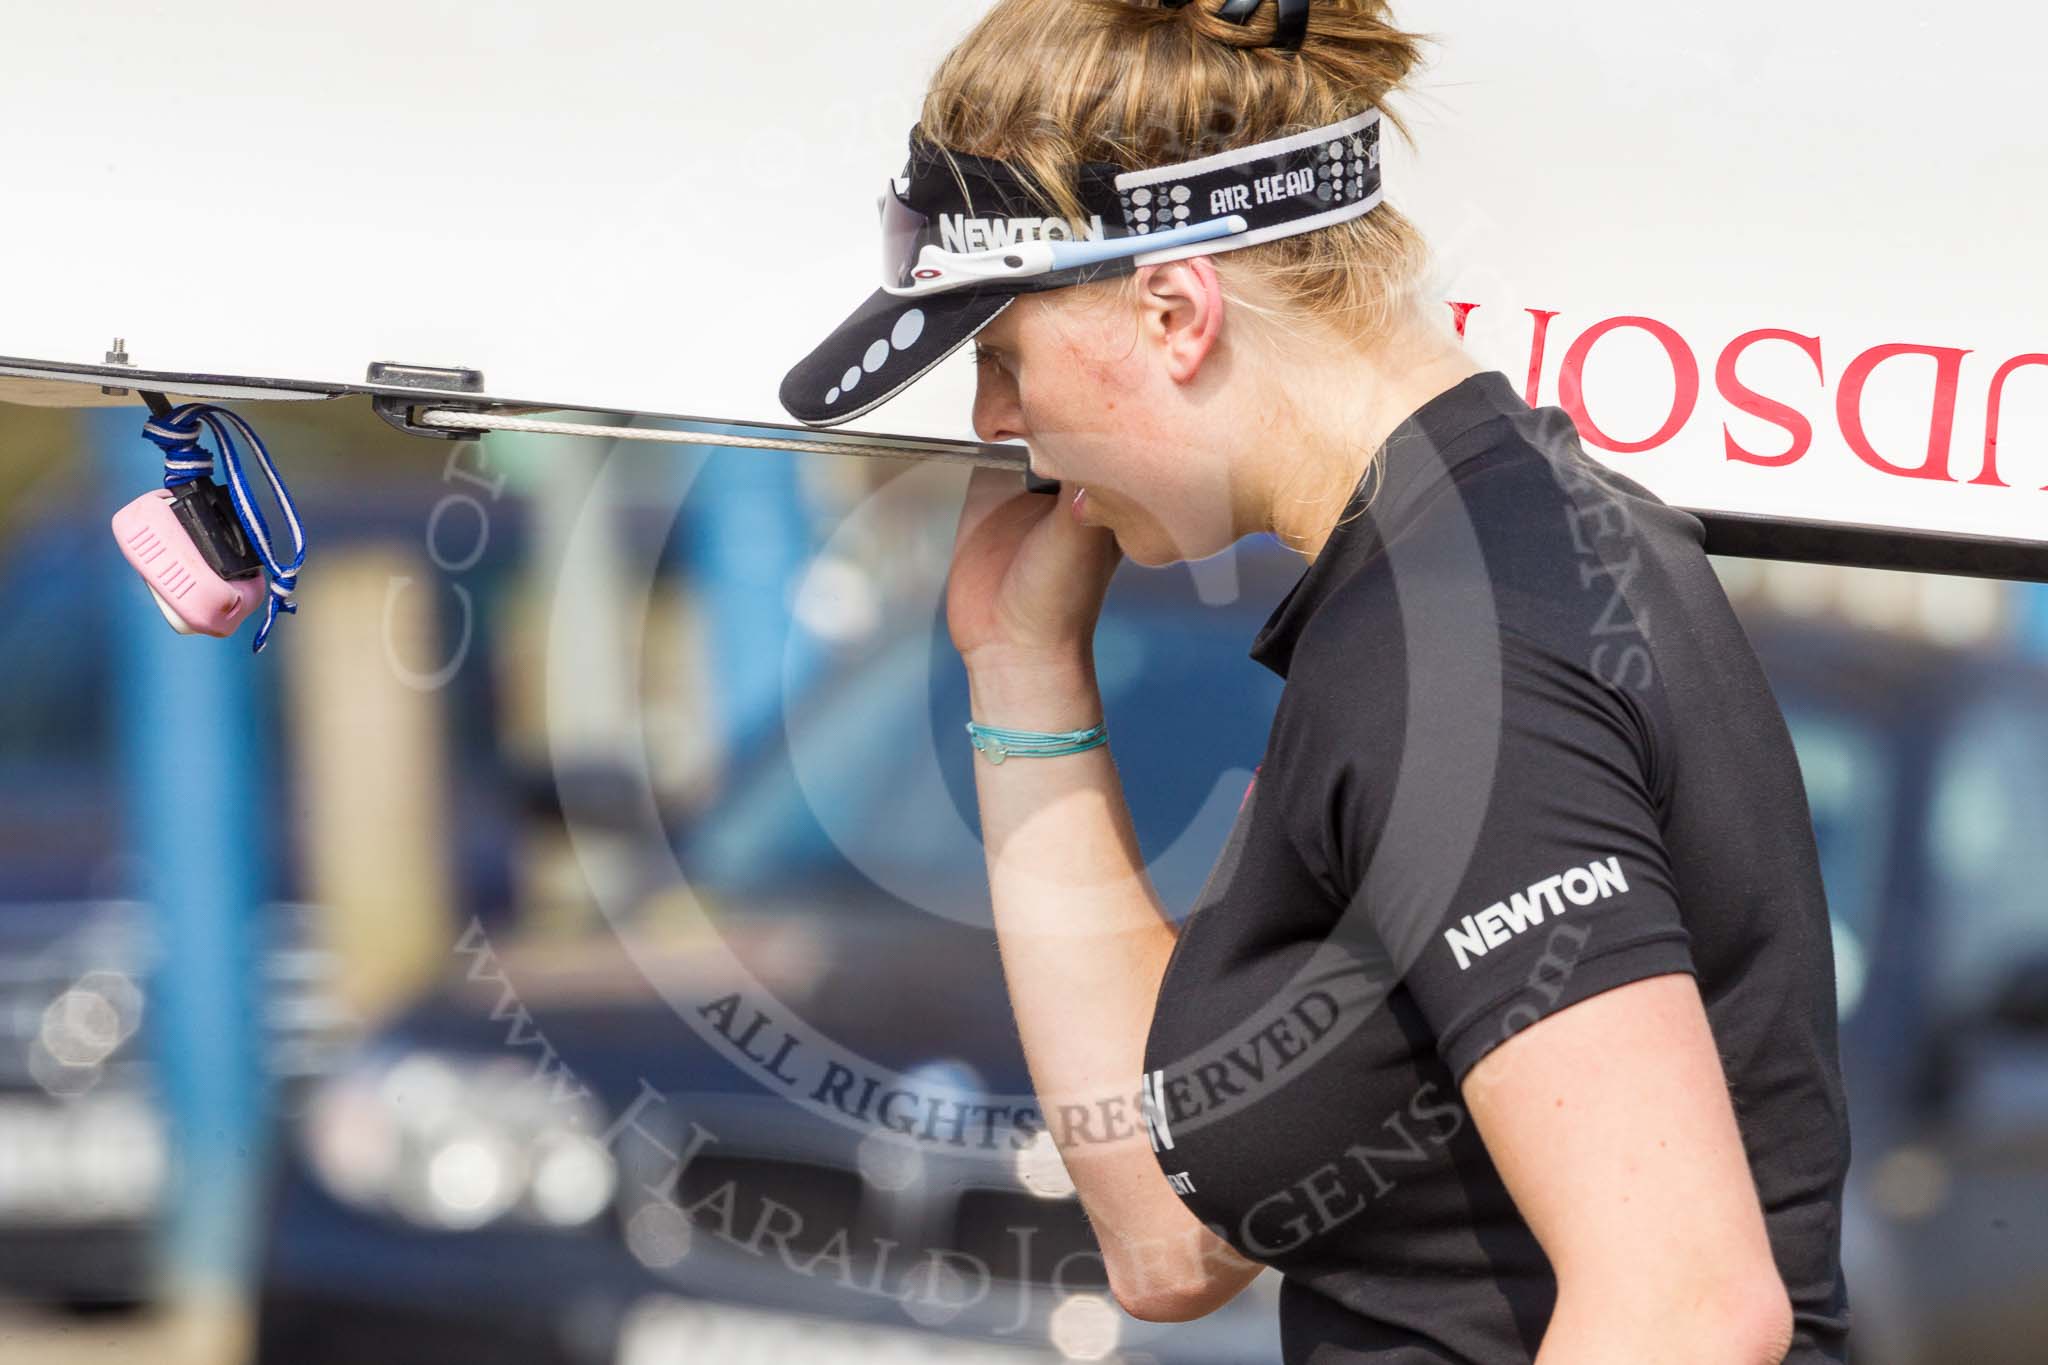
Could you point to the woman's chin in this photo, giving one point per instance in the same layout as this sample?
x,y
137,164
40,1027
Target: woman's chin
x,y
1150,552
1143,541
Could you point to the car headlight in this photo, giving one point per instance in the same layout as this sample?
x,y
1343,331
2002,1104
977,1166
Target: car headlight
x,y
81,1029
453,1142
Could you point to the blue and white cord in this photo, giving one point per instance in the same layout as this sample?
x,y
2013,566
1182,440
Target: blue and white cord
x,y
177,434
997,743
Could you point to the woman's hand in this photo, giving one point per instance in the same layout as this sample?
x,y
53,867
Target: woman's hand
x,y
1027,580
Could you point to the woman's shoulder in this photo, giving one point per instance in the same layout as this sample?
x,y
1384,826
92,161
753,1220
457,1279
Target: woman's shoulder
x,y
1523,528
1527,569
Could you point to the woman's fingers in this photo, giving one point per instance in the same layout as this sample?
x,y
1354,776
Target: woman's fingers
x,y
1093,547
989,490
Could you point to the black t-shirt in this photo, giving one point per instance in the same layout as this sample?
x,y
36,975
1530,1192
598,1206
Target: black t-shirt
x,y
1524,754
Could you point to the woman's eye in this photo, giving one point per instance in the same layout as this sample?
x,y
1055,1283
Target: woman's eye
x,y
984,355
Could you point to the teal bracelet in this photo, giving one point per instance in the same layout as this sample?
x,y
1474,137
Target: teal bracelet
x,y
997,744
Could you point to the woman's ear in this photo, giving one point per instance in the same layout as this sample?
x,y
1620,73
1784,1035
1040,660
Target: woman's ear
x,y
1180,310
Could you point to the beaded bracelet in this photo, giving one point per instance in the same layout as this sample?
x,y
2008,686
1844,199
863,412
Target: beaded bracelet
x,y
997,744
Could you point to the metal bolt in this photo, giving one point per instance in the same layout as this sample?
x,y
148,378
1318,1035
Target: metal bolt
x,y
117,356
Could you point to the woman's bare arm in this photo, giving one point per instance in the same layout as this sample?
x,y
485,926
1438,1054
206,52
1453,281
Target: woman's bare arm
x,y
1611,1126
1084,945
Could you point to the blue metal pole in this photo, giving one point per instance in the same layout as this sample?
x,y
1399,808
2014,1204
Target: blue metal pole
x,y
2033,618
196,824
749,540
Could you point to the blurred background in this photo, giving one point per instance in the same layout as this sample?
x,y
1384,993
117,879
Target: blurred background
x,y
344,989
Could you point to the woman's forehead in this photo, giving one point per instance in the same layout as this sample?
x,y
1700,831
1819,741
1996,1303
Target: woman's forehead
x,y
1063,312
1002,328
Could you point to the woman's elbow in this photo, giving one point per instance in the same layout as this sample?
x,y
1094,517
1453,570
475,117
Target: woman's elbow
x,y
1152,1306
1153,1299
1749,1323
1176,1278
1161,1304
1765,1317
1712,1321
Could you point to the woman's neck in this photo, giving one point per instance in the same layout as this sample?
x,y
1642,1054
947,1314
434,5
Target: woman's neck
x,y
1339,411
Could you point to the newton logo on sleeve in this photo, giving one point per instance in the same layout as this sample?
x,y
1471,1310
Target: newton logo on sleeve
x,y
1477,935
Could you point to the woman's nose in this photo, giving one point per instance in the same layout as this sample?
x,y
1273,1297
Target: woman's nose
x,y
997,414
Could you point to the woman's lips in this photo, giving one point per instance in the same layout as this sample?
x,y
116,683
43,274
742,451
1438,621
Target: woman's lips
x,y
1079,504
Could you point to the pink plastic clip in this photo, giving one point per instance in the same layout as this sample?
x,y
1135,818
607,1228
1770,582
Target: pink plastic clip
x,y
192,597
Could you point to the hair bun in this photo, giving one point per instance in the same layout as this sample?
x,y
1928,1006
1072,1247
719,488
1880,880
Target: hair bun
x,y
1290,23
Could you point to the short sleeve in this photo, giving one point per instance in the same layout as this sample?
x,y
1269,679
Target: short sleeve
x,y
1491,824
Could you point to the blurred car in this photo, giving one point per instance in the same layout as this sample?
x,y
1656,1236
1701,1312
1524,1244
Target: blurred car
x,y
83,1156
1926,770
432,1204
85,1153
846,880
